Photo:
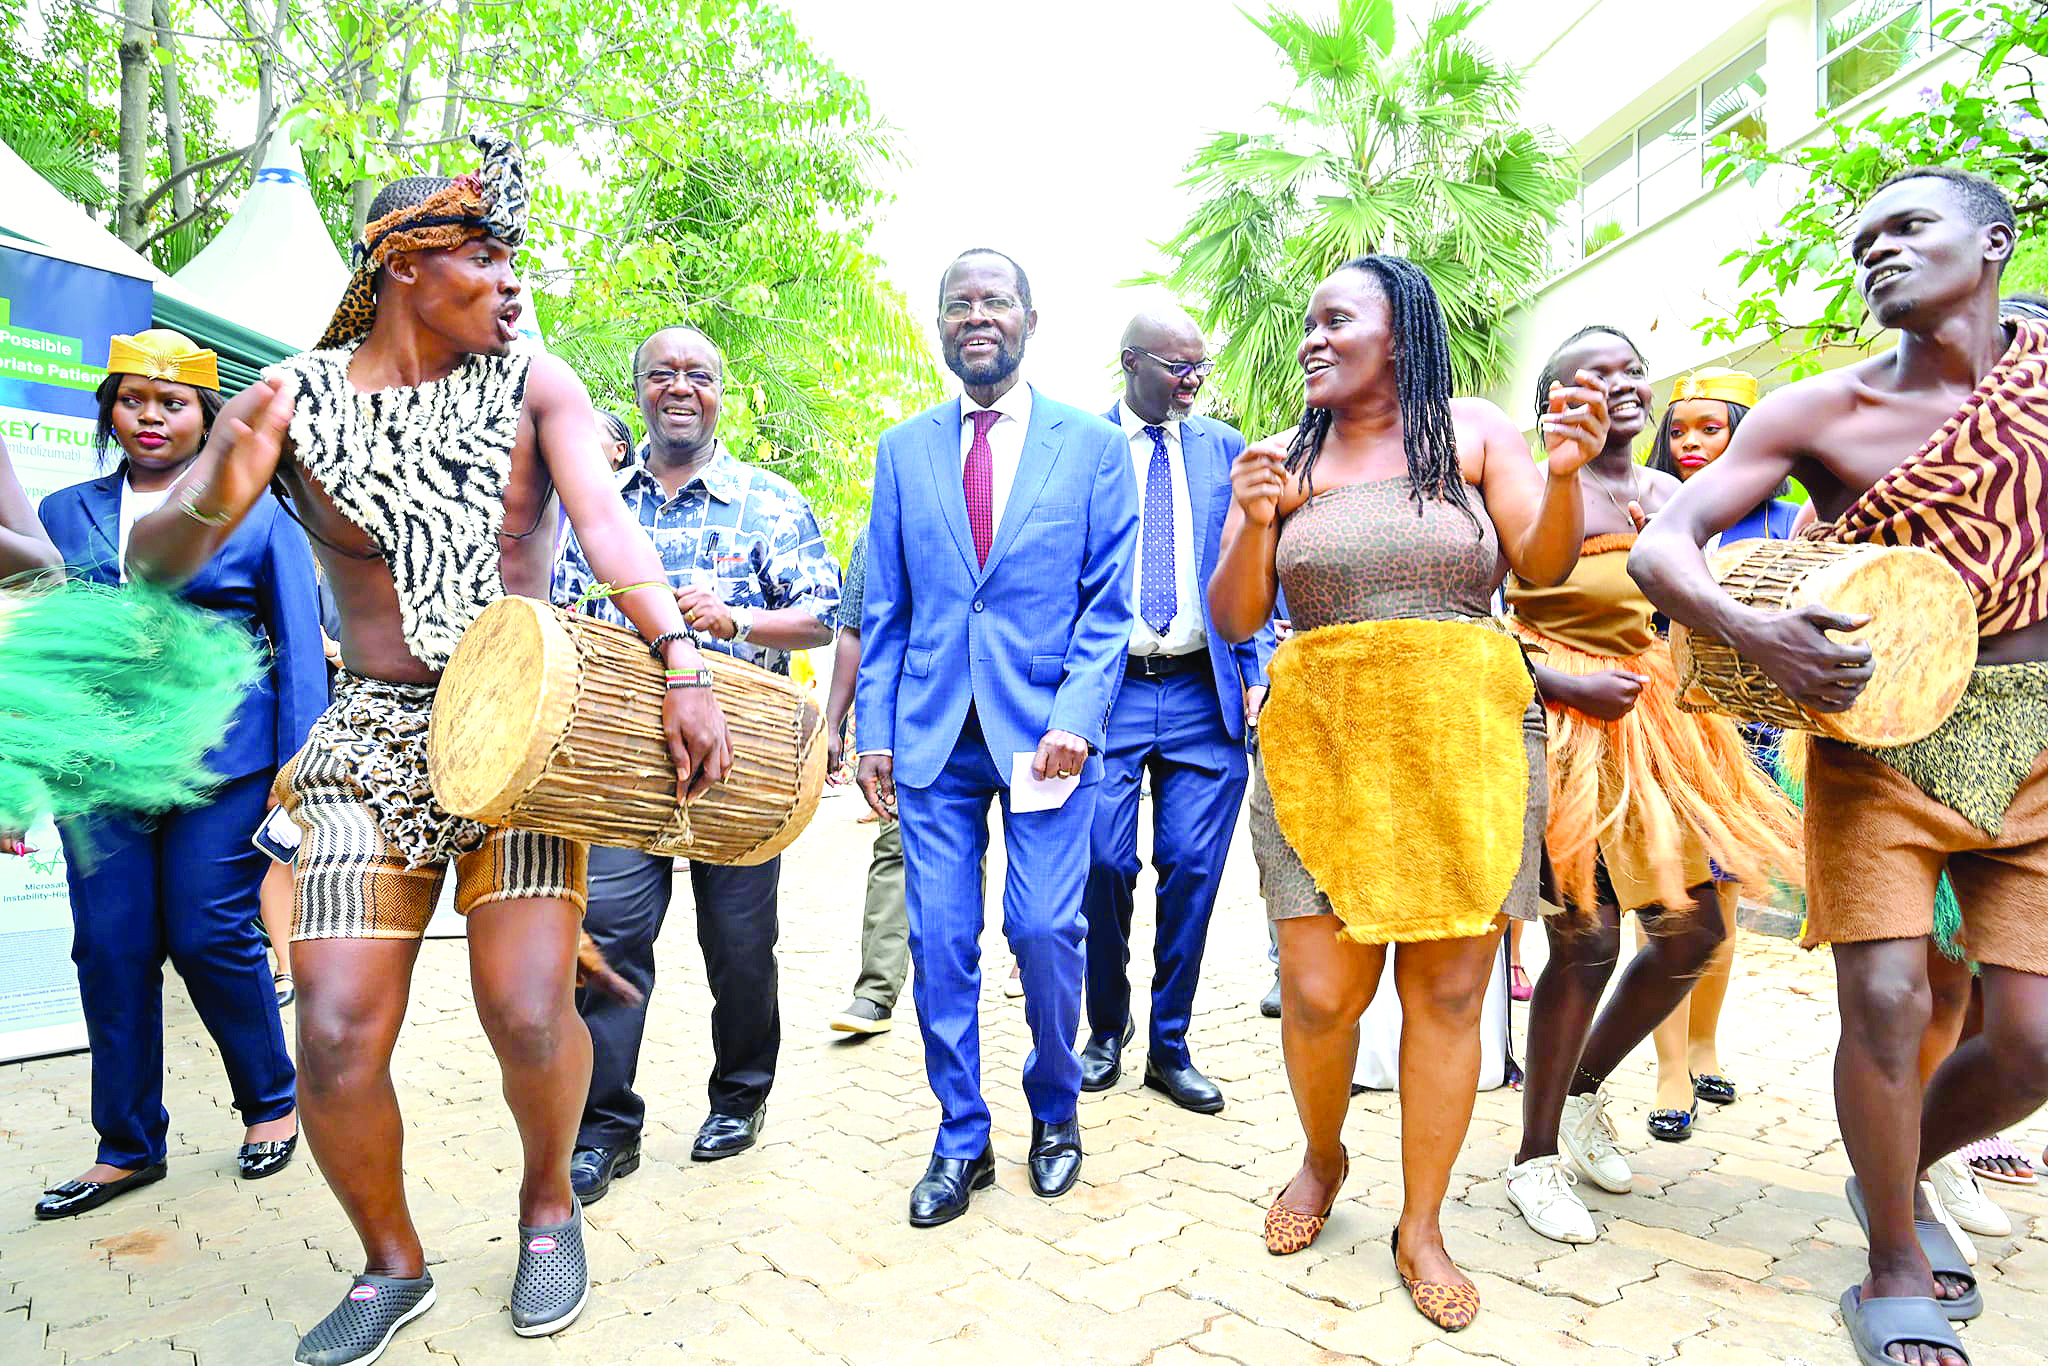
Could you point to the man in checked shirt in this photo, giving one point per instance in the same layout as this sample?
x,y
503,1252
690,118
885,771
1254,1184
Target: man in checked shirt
x,y
754,579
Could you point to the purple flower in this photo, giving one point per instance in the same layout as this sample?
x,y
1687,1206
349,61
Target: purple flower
x,y
1971,144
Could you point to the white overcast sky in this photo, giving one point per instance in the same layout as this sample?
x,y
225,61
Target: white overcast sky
x,y
1054,130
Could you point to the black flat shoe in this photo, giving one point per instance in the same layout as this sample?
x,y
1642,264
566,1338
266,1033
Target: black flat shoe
x,y
592,1170
1269,1004
258,1160
1714,1090
1055,1156
1673,1126
949,1184
724,1135
1185,1087
1102,1061
76,1197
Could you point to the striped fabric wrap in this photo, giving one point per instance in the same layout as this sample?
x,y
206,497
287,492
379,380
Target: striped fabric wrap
x,y
1976,493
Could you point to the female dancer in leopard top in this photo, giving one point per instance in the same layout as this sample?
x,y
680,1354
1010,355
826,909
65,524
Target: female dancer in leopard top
x,y
1387,808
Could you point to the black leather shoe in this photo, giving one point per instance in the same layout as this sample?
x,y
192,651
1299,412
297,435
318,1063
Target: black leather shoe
x,y
1055,1156
1673,1126
724,1135
948,1184
1102,1061
258,1160
76,1197
1185,1087
592,1170
1713,1090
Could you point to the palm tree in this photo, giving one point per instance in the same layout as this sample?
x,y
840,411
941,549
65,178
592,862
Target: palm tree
x,y
1415,149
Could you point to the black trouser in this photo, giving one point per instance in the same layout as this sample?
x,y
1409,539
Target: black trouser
x,y
736,928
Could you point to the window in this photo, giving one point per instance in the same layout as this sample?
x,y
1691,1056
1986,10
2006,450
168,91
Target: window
x,y
1661,166
1863,43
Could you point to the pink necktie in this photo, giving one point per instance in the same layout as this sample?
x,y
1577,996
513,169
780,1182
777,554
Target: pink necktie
x,y
977,480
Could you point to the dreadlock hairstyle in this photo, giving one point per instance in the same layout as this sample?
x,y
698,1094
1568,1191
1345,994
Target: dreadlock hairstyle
x,y
1422,384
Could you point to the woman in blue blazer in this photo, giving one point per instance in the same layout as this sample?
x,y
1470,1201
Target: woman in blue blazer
x,y
183,886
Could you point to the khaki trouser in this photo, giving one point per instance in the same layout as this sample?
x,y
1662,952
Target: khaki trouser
x,y
885,924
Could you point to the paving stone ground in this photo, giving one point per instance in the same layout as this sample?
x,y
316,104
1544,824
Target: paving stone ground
x,y
1730,1251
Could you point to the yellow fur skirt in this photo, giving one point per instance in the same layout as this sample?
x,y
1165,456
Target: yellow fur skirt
x,y
1653,796
1394,772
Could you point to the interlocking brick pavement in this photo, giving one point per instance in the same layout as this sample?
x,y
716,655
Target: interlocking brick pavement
x,y
1730,1251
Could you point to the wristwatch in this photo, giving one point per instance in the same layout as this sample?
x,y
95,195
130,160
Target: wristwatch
x,y
742,623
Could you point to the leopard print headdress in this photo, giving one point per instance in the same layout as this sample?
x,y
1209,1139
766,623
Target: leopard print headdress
x,y
432,213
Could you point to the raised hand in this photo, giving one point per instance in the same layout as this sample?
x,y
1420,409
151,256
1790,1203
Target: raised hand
x,y
1575,426
1258,477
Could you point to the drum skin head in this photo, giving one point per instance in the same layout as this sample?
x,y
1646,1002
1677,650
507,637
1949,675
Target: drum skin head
x,y
1922,631
486,754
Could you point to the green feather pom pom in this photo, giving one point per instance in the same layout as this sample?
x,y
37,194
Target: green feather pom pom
x,y
111,697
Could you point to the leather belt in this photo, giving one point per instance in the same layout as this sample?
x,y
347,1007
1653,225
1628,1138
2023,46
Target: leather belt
x,y
1159,666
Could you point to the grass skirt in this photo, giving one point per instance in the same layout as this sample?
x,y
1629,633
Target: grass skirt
x,y
111,697
1653,775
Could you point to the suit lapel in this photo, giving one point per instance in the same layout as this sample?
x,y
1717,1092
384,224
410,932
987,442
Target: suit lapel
x,y
1195,461
1034,467
102,501
942,447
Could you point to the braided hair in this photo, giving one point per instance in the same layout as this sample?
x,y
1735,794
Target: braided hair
x,y
1422,384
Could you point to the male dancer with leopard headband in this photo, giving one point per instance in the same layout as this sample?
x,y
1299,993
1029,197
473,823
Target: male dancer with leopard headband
x,y
425,457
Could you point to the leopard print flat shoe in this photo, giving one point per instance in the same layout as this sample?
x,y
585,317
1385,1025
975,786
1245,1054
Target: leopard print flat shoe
x,y
1289,1231
1449,1307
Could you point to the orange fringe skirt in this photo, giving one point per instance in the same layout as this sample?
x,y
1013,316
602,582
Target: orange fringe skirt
x,y
1653,777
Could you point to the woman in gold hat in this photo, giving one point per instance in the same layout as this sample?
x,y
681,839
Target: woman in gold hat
x,y
183,885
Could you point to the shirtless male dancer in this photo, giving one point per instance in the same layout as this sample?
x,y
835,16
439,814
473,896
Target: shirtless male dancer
x,y
424,456
1941,443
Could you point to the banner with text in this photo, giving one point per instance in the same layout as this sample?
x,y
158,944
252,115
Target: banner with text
x,y
55,321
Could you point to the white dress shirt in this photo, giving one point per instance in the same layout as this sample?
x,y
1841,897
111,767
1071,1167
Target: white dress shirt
x,y
1185,634
1005,444
134,507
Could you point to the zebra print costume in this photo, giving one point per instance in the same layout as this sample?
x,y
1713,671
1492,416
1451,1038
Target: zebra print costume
x,y
422,470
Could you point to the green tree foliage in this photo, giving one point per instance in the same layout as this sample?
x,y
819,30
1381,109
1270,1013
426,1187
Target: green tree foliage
x,y
693,161
1799,282
1411,148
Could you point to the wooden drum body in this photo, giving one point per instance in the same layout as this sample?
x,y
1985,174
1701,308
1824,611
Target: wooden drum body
x,y
549,721
1922,637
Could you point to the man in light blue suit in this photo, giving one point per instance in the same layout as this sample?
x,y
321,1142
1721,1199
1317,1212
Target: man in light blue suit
x,y
997,617
1187,698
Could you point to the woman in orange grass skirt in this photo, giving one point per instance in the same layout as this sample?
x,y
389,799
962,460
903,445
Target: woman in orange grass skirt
x,y
1646,802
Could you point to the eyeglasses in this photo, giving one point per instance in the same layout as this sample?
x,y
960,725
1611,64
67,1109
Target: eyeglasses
x,y
662,379
994,306
1179,369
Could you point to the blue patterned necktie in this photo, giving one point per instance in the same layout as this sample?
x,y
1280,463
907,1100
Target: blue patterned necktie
x,y
1157,595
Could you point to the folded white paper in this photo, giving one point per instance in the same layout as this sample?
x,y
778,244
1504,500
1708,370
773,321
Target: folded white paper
x,y
1037,794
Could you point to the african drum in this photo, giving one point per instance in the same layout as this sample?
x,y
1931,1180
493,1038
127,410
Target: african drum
x,y
1922,637
549,721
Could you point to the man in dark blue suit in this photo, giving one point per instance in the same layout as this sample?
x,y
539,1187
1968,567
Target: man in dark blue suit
x,y
1181,716
993,640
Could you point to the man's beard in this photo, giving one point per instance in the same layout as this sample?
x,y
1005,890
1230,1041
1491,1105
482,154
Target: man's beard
x,y
994,370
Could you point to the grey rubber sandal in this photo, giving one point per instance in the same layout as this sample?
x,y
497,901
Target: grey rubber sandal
x,y
1943,1256
553,1279
362,1325
1879,1323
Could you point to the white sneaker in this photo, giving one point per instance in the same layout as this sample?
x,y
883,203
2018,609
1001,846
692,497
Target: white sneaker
x,y
1586,1136
1541,1189
1955,1230
1957,1191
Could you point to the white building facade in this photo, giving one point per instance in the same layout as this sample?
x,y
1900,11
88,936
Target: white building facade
x,y
1638,89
